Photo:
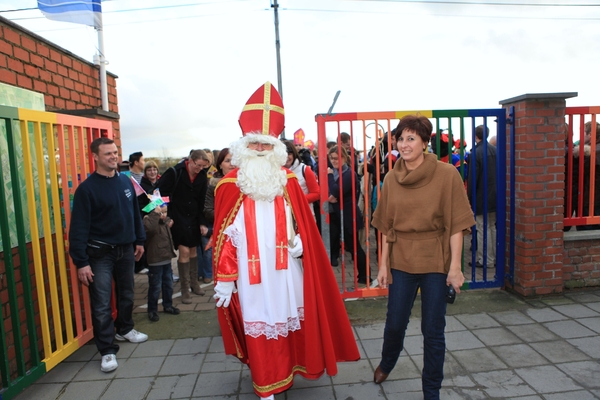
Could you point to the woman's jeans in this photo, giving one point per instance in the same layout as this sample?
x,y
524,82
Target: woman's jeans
x,y
117,264
402,294
205,265
160,277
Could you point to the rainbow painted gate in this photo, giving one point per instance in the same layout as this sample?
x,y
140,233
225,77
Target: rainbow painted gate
x,y
45,311
367,130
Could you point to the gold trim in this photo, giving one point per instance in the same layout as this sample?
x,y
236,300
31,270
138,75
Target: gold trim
x,y
226,222
280,384
225,180
233,335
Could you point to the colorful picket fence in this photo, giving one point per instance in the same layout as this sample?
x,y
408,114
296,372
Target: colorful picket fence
x,y
45,311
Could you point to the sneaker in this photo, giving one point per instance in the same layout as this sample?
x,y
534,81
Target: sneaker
x,y
172,310
153,316
175,278
133,336
109,363
143,271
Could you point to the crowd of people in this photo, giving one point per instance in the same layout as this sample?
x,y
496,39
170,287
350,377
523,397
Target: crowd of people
x,y
242,218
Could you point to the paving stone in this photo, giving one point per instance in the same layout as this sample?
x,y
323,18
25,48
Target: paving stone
x,y
591,323
395,389
544,314
413,345
65,373
190,346
586,373
453,325
496,336
576,395
139,367
478,360
477,321
84,390
217,384
84,353
576,311
182,364
42,391
584,297
554,301
153,348
405,369
135,388
301,382
321,392
358,391
502,384
374,331
462,340
461,394
355,372
519,355
569,329
246,381
372,348
547,379
511,318
593,306
172,387
91,372
559,351
452,370
589,345
216,345
532,333
219,362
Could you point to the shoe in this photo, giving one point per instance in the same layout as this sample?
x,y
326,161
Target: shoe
x,y
133,336
334,263
172,310
109,363
379,376
207,280
143,271
153,316
175,278
477,264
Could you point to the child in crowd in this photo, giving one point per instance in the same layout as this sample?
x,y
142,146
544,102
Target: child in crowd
x,y
159,252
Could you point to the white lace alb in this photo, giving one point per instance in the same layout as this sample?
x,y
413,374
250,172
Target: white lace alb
x,y
258,328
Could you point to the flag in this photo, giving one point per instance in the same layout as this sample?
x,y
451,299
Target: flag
x,y
86,12
138,189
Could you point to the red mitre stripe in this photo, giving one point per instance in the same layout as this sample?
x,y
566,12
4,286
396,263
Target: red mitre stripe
x,y
263,112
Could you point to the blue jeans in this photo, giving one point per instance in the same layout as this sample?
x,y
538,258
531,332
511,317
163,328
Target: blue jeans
x,y
204,259
160,276
402,294
117,264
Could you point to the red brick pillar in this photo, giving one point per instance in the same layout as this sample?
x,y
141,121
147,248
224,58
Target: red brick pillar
x,y
539,191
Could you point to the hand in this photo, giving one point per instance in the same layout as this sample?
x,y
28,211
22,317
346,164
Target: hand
x,y
382,277
85,275
203,230
455,278
223,293
296,250
139,251
170,223
332,199
329,171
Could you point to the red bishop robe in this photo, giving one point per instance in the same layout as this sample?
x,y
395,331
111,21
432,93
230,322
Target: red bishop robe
x,y
325,336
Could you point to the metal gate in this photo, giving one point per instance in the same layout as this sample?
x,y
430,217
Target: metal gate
x,y
370,132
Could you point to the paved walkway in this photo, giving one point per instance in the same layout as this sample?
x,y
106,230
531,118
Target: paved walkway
x,y
548,349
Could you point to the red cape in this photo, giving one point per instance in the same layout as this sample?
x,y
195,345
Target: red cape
x,y
328,334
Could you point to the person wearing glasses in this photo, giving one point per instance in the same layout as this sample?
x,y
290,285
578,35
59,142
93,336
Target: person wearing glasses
x,y
186,185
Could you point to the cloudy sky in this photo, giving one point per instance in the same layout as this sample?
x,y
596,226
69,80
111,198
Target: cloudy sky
x,y
186,68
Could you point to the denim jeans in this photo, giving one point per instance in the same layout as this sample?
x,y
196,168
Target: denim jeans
x,y
117,264
160,277
204,259
402,294
335,245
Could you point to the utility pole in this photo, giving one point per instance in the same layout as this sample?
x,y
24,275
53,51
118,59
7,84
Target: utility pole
x,y
277,45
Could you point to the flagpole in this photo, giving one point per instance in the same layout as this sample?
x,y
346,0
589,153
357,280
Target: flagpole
x,y
102,62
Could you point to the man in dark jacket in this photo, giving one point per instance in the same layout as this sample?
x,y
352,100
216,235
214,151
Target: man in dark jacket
x,y
186,184
106,235
483,195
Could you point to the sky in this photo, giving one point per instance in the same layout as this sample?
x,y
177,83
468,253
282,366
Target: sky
x,y
186,68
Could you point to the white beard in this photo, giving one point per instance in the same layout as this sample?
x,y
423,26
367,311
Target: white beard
x,y
260,175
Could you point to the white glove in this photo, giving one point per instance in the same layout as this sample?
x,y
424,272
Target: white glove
x,y
296,250
223,293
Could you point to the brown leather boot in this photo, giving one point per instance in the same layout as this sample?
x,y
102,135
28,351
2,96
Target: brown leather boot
x,y
184,279
194,284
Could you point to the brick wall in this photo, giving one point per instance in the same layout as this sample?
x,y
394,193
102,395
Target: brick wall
x,y
581,262
69,83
